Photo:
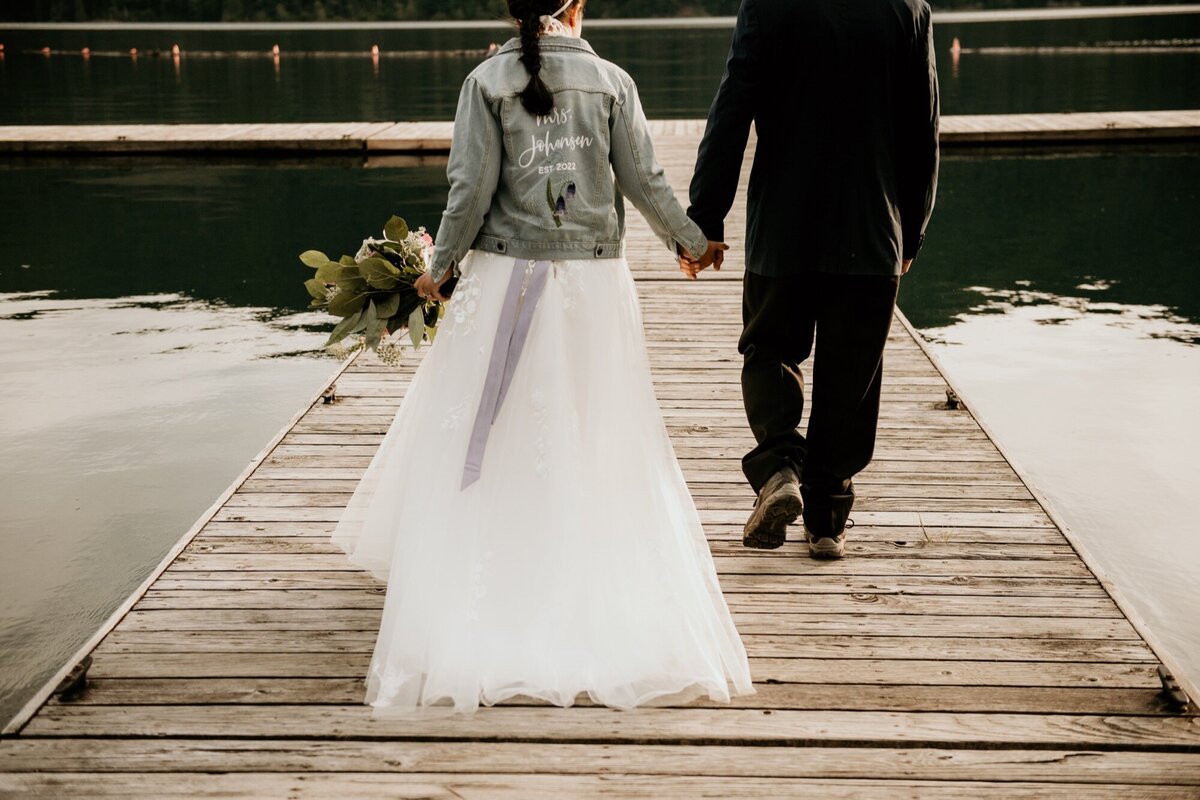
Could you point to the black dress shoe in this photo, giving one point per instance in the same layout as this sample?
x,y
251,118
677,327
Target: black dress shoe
x,y
778,505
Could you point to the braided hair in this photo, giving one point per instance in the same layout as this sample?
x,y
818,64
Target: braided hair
x,y
536,96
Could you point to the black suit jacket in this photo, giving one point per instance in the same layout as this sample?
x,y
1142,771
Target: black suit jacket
x,y
844,99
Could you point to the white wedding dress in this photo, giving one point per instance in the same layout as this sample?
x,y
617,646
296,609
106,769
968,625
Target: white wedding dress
x,y
576,563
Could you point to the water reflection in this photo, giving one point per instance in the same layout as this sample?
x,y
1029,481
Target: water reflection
x,y
1062,296
1047,308
1095,402
124,418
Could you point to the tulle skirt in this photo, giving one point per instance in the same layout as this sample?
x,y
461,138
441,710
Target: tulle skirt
x,y
576,563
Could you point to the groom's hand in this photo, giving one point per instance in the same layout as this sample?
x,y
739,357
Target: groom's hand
x,y
905,266
713,256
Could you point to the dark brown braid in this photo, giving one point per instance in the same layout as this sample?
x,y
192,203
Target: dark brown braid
x,y
536,96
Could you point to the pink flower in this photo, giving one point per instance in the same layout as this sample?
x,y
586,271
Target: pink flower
x,y
427,239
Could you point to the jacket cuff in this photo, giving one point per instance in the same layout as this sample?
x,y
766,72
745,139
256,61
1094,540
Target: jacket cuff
x,y
693,239
910,251
438,269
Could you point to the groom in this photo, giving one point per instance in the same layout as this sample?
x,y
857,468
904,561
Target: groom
x,y
844,98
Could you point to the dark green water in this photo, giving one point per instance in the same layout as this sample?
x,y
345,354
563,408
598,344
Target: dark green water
x,y
677,70
154,336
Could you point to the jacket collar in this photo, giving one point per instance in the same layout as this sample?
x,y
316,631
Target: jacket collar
x,y
549,43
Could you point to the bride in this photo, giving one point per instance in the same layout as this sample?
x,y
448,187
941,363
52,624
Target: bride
x,y
525,507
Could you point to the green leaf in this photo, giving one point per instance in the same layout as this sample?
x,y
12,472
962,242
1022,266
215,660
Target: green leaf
x,y
344,328
379,274
550,197
346,302
387,306
316,289
374,326
416,326
353,284
314,258
333,272
347,261
395,229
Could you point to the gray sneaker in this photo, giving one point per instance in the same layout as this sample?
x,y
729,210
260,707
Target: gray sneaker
x,y
826,547
826,517
778,505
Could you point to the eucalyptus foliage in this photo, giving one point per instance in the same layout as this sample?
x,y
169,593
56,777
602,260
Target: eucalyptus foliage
x,y
372,291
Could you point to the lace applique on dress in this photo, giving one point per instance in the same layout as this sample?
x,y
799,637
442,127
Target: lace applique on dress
x,y
390,681
455,414
568,273
464,303
478,588
537,401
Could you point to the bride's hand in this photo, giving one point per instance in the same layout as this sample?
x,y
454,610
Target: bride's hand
x,y
428,290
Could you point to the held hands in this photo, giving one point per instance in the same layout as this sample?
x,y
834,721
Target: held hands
x,y
713,256
428,290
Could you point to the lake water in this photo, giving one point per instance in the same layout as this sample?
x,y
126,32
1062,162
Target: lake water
x,y
153,333
676,69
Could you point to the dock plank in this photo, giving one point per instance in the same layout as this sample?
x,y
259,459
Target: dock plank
x,y
380,138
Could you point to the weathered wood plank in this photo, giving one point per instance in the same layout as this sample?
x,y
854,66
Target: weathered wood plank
x,y
285,755
647,725
811,584
303,786
780,645
899,672
988,627
839,696
748,602
405,137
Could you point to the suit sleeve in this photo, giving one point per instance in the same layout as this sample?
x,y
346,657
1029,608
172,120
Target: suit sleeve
x,y
719,158
919,155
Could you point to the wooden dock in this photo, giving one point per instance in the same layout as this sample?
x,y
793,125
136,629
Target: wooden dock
x,y
963,649
380,138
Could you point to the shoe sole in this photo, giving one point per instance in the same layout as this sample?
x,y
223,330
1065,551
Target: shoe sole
x,y
776,518
825,548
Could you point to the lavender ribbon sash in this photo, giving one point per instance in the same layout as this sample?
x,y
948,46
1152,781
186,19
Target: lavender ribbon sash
x,y
524,288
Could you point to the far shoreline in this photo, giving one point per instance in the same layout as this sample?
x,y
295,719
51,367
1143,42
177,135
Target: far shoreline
x,y
981,15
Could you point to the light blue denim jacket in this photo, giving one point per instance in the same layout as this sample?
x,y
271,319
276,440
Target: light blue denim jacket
x,y
552,187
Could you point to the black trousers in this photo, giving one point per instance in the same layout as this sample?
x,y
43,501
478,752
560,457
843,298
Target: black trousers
x,y
849,317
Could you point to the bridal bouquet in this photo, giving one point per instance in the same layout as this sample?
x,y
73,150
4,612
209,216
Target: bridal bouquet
x,y
372,291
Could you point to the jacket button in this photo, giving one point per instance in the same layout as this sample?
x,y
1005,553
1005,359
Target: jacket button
x,y
599,250
500,246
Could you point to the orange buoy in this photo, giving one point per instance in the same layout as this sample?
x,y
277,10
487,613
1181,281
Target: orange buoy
x,y
45,51
133,51
955,47
174,49
374,49
87,51
274,49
